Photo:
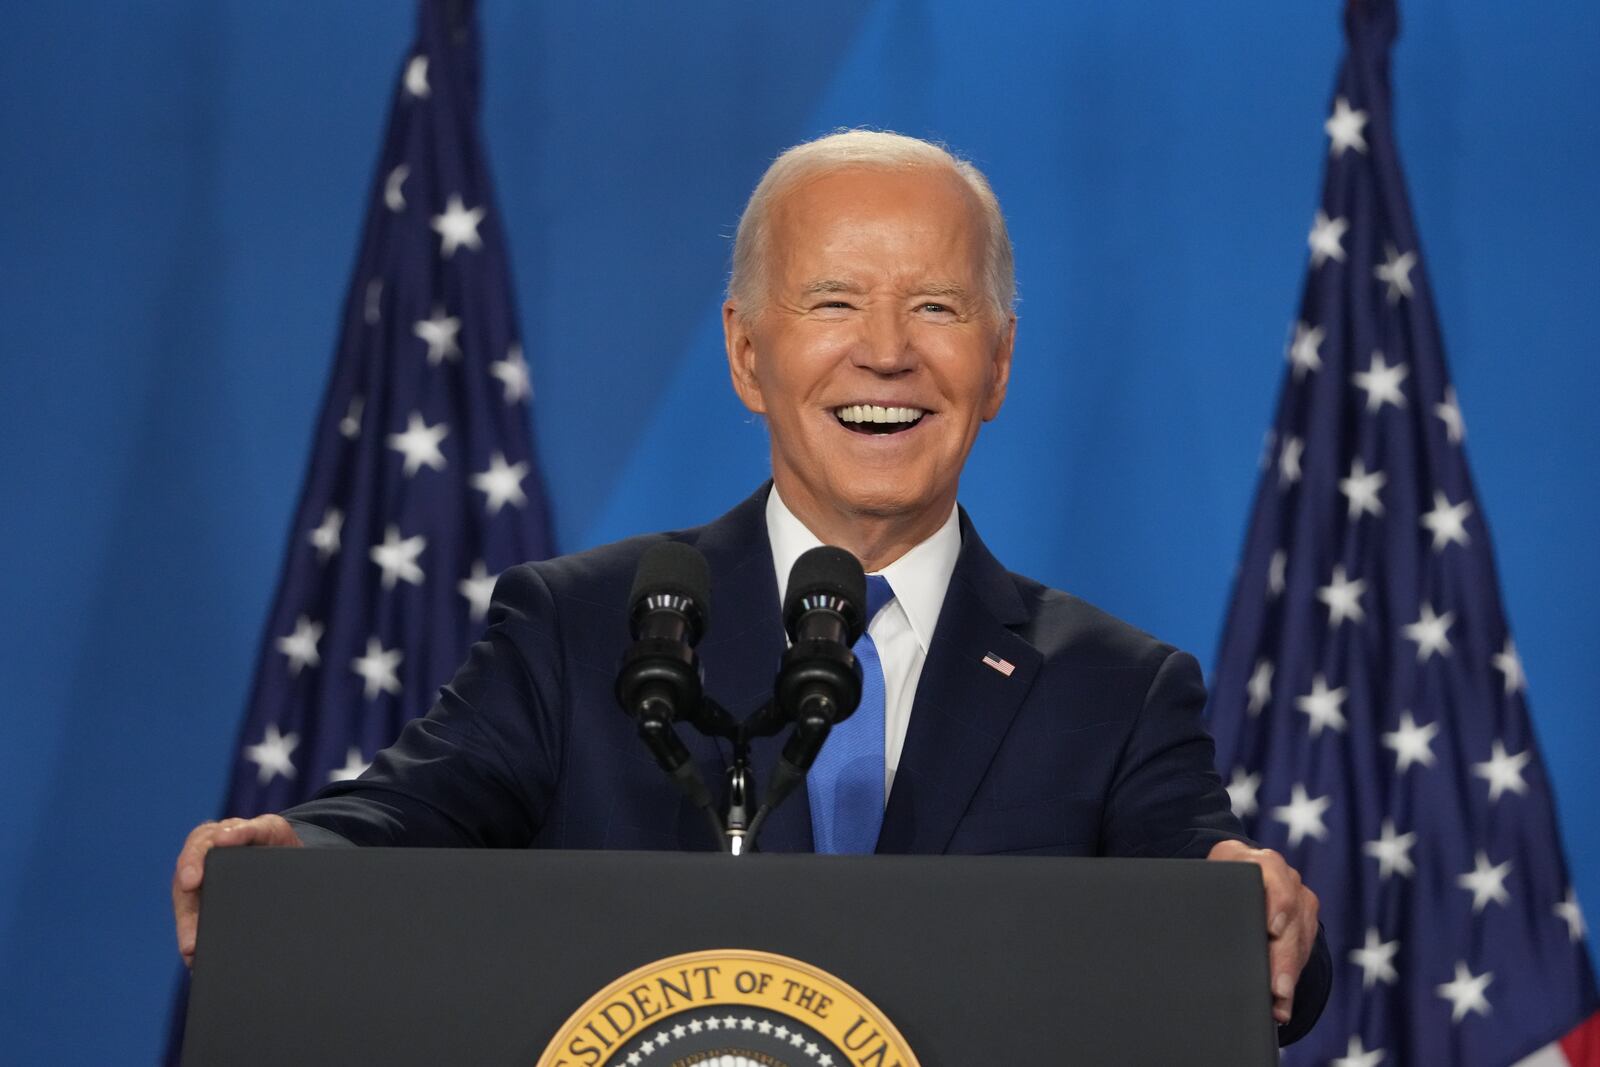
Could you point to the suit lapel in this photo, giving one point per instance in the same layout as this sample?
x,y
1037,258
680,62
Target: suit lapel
x,y
963,706
741,651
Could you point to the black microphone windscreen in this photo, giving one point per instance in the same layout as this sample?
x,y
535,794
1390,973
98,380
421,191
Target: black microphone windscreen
x,y
827,571
673,568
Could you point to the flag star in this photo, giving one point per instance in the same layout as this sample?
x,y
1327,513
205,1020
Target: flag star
x,y
1449,412
1343,597
729,1022
325,538
1431,633
501,483
1344,128
1569,912
1392,851
350,425
1242,792
398,558
420,444
1447,521
812,1049
824,1060
417,77
647,1047
1357,1056
1326,239
513,374
1487,882
394,197
478,588
271,754
713,1024
354,766
1276,569
1322,705
1503,771
457,226
781,1032
1411,743
301,646
797,1039
1303,352
1362,489
1303,815
377,668
747,1023
1508,663
634,1059
1465,993
765,1027
1396,271
679,1030
695,1026
1381,383
1260,686
439,331
1289,460
373,310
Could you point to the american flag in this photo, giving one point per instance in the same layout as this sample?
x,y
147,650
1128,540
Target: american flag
x,y
423,483
1369,703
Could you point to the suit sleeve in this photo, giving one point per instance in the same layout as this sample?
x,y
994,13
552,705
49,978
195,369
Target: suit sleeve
x,y
479,770
1167,800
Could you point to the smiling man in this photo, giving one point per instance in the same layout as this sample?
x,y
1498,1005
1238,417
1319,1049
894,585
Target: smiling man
x,y
869,321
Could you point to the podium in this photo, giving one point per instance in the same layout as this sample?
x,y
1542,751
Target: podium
x,y
423,956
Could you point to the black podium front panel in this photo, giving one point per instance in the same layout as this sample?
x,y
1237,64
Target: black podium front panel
x,y
418,956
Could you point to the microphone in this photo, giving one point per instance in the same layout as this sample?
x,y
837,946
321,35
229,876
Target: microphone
x,y
819,681
660,674
659,680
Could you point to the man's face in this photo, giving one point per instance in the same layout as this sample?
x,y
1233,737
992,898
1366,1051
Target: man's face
x,y
876,310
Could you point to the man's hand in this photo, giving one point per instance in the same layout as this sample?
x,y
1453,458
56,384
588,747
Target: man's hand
x,y
186,877
1291,919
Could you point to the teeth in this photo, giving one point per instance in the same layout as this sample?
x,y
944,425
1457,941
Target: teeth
x,y
875,413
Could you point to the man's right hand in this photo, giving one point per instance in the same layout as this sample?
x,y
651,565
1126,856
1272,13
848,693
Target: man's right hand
x,y
190,870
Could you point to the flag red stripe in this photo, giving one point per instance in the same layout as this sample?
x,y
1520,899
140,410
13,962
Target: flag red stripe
x,y
1581,1047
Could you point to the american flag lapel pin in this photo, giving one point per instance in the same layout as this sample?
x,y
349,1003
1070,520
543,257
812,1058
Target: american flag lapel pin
x,y
1004,666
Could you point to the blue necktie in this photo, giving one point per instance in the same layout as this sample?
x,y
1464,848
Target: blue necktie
x,y
846,781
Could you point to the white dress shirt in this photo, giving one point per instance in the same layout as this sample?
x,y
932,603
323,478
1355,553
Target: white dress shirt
x,y
903,629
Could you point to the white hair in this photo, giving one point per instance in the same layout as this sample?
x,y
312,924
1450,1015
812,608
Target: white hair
x,y
748,283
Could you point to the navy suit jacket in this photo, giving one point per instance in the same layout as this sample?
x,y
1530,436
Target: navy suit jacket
x,y
1093,745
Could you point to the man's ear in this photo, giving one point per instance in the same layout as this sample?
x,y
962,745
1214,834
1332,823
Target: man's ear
x,y
742,358
1000,369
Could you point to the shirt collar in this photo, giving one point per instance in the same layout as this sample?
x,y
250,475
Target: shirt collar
x,y
920,578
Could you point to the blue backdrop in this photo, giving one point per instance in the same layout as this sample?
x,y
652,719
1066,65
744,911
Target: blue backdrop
x,y
181,187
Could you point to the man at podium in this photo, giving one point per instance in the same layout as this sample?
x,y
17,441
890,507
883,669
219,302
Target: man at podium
x,y
870,322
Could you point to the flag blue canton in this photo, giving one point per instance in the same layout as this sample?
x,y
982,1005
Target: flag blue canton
x,y
1369,703
423,482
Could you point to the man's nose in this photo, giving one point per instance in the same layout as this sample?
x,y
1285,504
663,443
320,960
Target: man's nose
x,y
887,347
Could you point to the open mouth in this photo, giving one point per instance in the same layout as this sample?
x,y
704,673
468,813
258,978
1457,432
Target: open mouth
x,y
877,420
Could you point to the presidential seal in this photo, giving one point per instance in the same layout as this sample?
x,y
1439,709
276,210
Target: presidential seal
x,y
728,1008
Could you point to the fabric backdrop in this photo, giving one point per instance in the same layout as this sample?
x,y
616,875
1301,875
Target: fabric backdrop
x,y
180,189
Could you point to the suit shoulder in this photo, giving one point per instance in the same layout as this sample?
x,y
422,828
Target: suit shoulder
x,y
597,568
1073,631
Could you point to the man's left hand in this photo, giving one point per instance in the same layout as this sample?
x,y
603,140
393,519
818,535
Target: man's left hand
x,y
1291,919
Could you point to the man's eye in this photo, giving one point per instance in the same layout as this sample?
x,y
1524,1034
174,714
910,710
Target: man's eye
x,y
931,306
